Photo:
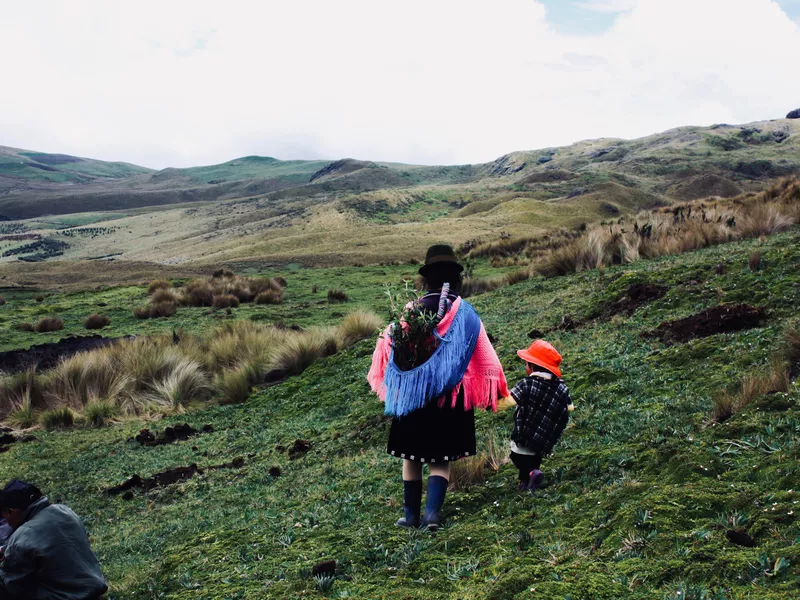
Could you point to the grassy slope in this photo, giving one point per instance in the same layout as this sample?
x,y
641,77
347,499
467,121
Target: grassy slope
x,y
639,441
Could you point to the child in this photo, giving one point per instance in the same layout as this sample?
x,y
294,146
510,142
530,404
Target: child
x,y
543,405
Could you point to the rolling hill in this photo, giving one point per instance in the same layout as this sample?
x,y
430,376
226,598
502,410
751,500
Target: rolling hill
x,y
261,210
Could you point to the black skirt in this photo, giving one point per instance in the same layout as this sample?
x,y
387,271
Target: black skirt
x,y
434,435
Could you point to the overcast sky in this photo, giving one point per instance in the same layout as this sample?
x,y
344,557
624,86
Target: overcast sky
x,y
174,83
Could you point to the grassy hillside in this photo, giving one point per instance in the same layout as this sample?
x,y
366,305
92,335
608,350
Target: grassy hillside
x,y
642,488
20,167
260,210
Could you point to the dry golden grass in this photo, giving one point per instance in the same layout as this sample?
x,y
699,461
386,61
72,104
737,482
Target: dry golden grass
x,y
358,325
96,321
270,297
775,379
678,229
48,324
158,284
471,471
155,311
24,327
225,301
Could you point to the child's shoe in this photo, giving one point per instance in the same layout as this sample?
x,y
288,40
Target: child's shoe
x,y
536,480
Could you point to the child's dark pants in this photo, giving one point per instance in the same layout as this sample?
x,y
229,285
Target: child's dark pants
x,y
525,463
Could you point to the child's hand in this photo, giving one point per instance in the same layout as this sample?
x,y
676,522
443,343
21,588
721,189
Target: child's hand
x,y
506,403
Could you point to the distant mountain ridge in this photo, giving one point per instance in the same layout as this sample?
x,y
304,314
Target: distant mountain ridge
x,y
262,210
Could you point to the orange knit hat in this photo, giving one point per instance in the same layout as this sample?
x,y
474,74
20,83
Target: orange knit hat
x,y
543,354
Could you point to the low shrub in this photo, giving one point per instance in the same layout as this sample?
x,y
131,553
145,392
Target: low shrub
x,y
225,301
57,418
776,378
96,321
337,296
24,327
48,324
158,284
270,297
100,412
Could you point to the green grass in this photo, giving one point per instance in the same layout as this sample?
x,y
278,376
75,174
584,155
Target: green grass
x,y
642,487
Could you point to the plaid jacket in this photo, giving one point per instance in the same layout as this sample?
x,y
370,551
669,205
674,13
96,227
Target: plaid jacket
x,y
541,414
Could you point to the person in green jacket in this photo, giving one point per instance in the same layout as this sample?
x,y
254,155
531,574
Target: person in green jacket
x,y
48,556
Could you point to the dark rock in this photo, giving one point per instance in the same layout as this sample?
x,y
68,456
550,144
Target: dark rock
x,y
145,437
740,538
794,114
47,356
544,159
7,438
327,567
208,428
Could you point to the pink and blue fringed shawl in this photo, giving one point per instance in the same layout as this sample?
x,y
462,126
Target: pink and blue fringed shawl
x,y
464,359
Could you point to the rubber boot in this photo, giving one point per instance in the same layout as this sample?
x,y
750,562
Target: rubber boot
x,y
412,501
437,488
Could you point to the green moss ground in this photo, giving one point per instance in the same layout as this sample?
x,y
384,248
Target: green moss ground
x,y
641,487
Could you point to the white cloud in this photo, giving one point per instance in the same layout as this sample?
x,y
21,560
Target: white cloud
x,y
194,82
607,6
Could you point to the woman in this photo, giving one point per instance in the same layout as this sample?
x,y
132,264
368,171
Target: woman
x,y
433,402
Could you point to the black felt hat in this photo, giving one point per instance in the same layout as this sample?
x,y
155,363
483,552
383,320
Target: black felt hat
x,y
440,255
19,494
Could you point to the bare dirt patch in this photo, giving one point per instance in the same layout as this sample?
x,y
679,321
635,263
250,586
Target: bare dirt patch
x,y
47,356
170,434
167,477
299,449
636,296
725,318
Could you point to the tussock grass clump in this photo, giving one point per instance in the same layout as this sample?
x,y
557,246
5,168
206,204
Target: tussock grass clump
x,y
164,373
754,260
358,325
270,297
24,327
467,472
225,301
792,351
23,416
281,282
678,229
100,412
2,301
775,379
337,296
48,324
39,298
163,295
235,385
471,471
158,284
96,321
223,274
300,350
58,418
155,311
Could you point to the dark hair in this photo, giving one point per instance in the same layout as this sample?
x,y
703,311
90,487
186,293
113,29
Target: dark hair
x,y
443,273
